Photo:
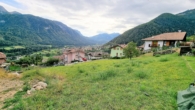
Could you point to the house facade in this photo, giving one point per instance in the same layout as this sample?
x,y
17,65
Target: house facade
x,y
117,50
165,39
2,58
70,55
97,55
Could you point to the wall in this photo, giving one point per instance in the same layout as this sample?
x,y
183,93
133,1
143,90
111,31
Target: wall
x,y
161,43
146,45
114,51
74,56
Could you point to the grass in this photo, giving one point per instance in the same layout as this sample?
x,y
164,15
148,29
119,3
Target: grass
x,y
143,83
4,75
12,47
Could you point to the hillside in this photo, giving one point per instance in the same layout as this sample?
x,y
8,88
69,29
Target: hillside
x,y
104,37
20,29
143,83
166,22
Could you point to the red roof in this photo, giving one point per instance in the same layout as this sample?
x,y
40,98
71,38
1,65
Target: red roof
x,y
73,51
168,36
2,55
2,58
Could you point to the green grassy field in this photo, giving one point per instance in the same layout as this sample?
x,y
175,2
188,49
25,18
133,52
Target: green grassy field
x,y
12,47
143,83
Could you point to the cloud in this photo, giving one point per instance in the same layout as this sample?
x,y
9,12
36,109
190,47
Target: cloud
x,y
93,16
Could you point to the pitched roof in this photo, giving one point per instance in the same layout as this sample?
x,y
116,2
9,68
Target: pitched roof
x,y
73,51
2,55
168,36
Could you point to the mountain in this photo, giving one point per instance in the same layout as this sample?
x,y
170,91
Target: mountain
x,y
104,37
3,10
165,22
24,29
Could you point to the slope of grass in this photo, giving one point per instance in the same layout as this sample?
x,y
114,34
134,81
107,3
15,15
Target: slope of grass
x,y
6,75
144,83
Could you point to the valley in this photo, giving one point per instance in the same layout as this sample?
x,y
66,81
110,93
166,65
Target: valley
x,y
144,83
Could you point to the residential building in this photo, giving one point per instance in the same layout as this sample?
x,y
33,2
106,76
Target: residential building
x,y
97,55
117,50
2,58
165,39
70,55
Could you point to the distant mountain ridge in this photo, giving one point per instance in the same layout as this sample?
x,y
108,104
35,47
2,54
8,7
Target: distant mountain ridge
x,y
20,29
104,37
166,22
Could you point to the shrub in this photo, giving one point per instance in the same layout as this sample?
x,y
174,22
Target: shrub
x,y
115,57
193,51
74,61
14,68
165,47
123,57
157,55
51,61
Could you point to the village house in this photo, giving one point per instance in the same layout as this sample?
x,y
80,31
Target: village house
x,y
97,55
2,58
117,50
165,39
71,55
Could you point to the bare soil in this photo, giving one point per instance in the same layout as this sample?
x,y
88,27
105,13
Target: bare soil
x,y
8,87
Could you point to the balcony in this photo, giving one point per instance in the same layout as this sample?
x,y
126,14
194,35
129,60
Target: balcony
x,y
154,45
185,44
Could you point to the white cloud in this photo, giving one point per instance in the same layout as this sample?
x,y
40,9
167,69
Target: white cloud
x,y
93,16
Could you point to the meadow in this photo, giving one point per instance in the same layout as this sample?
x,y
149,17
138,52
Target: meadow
x,y
12,47
143,83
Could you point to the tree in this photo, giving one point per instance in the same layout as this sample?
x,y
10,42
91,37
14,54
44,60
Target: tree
x,y
130,50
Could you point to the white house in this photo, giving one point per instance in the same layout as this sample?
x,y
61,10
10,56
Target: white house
x,y
165,39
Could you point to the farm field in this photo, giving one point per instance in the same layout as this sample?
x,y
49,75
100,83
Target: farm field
x,y
12,47
143,83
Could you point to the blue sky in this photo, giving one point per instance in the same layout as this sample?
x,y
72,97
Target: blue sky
x,y
92,17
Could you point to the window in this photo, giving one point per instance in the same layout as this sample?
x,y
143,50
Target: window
x,y
117,54
121,54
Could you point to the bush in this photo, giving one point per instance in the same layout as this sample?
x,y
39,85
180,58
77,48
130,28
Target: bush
x,y
14,68
193,51
123,57
115,57
51,61
74,61
157,55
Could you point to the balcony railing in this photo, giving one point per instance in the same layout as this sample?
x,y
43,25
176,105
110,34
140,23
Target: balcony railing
x,y
185,44
153,45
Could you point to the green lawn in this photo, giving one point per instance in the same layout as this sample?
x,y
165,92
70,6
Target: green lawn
x,y
143,83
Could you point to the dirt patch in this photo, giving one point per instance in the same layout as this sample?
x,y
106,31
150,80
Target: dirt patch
x,y
8,87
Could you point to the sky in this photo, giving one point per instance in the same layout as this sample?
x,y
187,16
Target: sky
x,y
92,17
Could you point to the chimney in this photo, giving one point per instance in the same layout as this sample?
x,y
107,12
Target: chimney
x,y
179,30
